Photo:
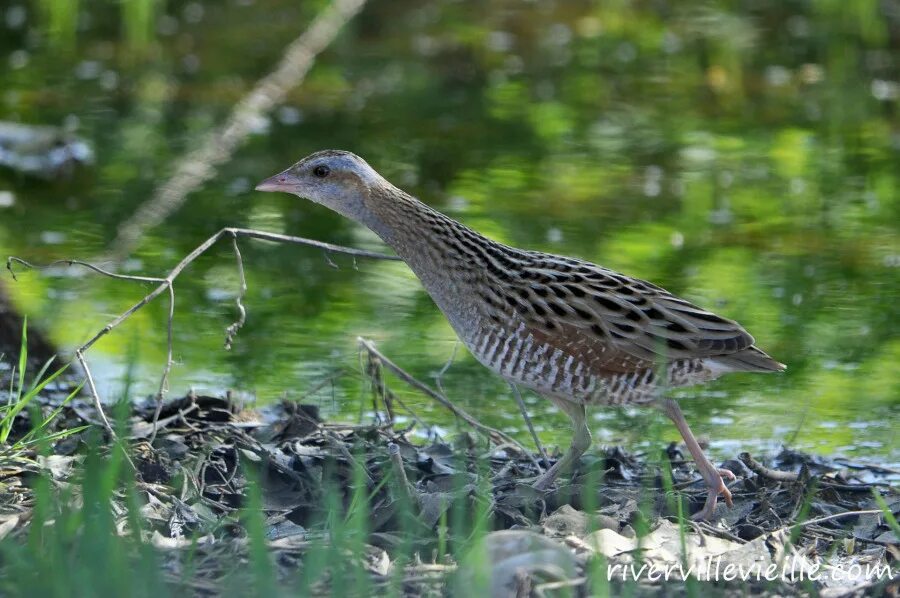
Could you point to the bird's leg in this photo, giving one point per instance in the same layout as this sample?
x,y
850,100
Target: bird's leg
x,y
711,474
581,440
537,441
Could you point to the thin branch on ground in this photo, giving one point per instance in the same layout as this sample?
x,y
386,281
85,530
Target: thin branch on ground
x,y
761,470
495,435
379,390
164,381
415,417
833,516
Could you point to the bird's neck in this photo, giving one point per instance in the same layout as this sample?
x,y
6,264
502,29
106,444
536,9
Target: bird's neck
x,y
418,233
448,257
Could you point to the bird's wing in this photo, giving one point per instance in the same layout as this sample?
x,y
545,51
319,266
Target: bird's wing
x,y
629,320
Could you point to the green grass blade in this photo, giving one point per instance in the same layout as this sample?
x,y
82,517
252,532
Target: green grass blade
x,y
22,402
53,436
56,411
888,515
23,356
43,372
8,419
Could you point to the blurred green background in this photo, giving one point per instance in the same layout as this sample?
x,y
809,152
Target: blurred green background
x,y
744,155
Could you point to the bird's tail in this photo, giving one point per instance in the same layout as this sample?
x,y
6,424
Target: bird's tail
x,y
750,359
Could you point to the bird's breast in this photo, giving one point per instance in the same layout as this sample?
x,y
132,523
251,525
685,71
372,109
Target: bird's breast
x,y
520,356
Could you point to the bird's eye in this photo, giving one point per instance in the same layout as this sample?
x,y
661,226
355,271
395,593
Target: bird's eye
x,y
321,171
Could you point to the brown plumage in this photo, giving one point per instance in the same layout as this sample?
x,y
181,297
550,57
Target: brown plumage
x,y
576,332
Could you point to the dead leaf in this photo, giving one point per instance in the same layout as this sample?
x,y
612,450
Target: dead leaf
x,y
9,524
59,466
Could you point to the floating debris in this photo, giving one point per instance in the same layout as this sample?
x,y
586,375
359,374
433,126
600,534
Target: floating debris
x,y
42,151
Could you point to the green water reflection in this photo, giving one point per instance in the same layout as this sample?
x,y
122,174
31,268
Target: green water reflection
x,y
744,156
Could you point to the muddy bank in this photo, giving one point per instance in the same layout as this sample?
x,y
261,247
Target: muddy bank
x,y
208,455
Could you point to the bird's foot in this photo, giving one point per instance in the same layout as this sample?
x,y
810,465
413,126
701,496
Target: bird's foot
x,y
716,485
726,473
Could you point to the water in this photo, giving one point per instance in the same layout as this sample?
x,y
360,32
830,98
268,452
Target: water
x,y
745,158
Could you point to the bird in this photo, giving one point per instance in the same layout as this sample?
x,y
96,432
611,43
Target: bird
x,y
570,330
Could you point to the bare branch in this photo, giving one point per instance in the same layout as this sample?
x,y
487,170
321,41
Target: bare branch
x,y
98,405
761,470
232,330
164,381
16,260
834,516
493,433
166,284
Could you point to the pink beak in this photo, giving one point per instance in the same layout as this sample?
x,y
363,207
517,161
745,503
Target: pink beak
x,y
283,181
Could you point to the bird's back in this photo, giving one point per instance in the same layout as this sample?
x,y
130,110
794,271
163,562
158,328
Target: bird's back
x,y
571,328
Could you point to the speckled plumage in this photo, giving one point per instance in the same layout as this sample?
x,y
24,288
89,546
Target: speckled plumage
x,y
576,332
564,326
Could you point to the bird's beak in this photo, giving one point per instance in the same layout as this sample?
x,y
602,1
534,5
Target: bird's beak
x,y
283,181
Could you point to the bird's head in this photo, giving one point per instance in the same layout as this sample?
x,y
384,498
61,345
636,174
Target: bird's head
x,y
336,179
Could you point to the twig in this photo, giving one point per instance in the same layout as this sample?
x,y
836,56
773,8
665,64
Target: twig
x,y
704,528
319,386
16,260
835,516
493,433
337,443
232,330
861,487
537,441
219,145
415,416
439,379
166,285
164,381
182,415
379,389
372,370
400,471
761,470
79,355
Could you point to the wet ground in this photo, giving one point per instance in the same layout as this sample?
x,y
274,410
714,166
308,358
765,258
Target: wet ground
x,y
211,456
